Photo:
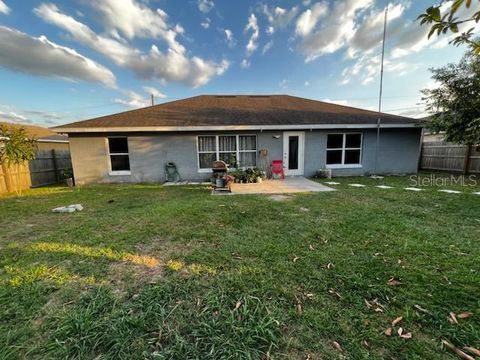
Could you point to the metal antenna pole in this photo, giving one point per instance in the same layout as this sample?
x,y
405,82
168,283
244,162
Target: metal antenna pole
x,y
381,89
153,102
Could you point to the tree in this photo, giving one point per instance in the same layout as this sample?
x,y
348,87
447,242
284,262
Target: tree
x,y
455,102
15,147
443,23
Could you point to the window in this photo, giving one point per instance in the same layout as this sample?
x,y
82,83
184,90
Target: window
x,y
227,149
344,150
119,158
248,150
235,150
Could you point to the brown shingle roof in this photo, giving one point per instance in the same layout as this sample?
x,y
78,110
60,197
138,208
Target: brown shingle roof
x,y
238,110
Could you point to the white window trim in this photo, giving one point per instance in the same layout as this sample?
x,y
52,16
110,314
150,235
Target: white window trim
x,y
343,149
217,151
118,172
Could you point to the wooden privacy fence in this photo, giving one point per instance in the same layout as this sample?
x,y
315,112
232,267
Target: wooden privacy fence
x,y
14,178
45,169
445,156
48,166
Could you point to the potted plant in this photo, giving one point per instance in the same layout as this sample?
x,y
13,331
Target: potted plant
x,y
258,175
68,177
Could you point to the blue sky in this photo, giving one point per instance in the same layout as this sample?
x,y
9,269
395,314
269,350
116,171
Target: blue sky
x,y
62,61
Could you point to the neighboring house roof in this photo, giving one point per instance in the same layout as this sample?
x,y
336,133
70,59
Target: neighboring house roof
x,y
57,138
40,133
223,112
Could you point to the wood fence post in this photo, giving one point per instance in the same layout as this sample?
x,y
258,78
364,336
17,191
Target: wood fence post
x,y
420,153
55,166
466,161
7,177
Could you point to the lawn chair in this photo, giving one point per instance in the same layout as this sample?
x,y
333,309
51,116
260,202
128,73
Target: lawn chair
x,y
277,168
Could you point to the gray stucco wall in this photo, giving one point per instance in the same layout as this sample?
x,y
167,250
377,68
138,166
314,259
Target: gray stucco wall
x,y
398,154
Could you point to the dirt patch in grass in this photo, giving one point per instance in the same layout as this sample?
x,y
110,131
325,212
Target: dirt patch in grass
x,y
125,277
279,197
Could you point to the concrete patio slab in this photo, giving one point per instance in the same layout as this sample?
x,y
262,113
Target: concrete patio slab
x,y
290,185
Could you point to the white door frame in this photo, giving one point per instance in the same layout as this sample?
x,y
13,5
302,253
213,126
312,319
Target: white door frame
x,y
301,152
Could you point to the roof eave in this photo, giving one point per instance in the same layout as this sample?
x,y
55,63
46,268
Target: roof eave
x,y
70,130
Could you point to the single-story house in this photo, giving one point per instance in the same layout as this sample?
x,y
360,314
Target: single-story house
x,y
244,131
53,142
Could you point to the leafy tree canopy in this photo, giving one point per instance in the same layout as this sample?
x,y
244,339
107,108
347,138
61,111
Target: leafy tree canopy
x,y
444,18
456,100
16,147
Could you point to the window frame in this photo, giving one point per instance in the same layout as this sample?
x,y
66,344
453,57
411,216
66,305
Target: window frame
x,y
344,149
117,172
217,151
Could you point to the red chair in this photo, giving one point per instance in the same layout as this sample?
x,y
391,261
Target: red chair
x,y
277,168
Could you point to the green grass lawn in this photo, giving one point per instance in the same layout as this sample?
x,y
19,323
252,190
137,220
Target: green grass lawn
x,y
152,272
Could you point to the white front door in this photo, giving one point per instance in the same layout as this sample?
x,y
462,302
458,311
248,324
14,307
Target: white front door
x,y
293,152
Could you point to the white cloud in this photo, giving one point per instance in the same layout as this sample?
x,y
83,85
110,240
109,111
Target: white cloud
x,y
229,38
132,19
152,91
245,64
408,37
306,83
134,100
252,25
338,102
309,18
39,56
279,17
418,112
4,8
12,114
333,32
368,35
205,6
347,25
171,66
205,24
13,117
267,47
404,37
367,68
47,116
270,30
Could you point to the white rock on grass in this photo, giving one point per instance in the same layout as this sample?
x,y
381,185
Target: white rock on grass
x,y
450,191
332,183
357,185
68,209
476,193
413,189
63,209
384,187
77,207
